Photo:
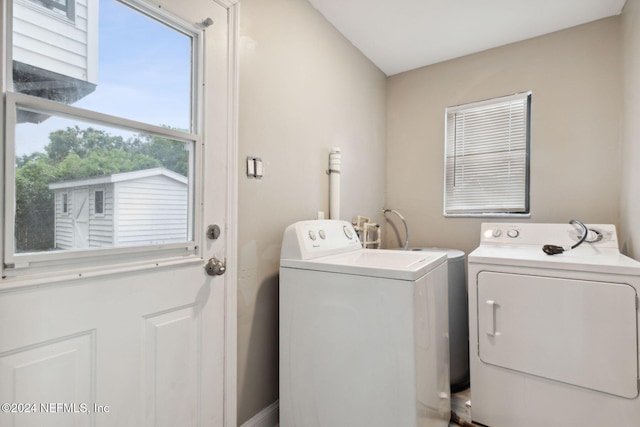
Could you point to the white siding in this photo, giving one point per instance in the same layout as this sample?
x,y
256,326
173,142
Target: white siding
x,y
152,210
51,42
101,225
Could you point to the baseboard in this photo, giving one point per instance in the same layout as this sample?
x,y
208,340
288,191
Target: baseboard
x,y
268,417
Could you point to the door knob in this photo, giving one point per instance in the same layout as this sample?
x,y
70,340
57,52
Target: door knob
x,y
215,267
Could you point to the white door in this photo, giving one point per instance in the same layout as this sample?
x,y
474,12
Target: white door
x,y
143,345
80,213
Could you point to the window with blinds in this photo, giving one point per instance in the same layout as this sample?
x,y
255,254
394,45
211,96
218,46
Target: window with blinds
x,y
487,157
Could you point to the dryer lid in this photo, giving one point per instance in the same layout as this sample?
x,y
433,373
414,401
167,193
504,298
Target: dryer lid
x,y
520,245
581,259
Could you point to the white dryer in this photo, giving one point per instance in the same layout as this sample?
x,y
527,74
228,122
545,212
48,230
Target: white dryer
x,y
553,338
363,332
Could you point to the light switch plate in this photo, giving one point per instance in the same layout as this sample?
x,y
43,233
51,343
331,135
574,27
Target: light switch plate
x,y
251,167
258,167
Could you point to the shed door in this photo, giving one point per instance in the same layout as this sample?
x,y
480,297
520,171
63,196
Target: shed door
x,y
80,215
578,332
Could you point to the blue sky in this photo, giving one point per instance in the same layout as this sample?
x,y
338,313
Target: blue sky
x,y
143,75
143,68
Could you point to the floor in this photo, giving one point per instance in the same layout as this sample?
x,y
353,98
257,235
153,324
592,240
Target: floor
x,y
461,405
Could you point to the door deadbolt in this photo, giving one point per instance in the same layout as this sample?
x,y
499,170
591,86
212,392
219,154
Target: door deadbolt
x,y
215,267
213,232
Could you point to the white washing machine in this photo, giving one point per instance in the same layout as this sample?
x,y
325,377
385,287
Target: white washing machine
x,y
553,338
363,332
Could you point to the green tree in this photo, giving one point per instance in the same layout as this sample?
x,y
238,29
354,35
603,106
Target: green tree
x,y
103,162
82,142
34,204
174,156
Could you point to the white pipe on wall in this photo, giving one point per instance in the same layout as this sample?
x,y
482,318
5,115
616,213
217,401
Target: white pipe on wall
x,y
335,160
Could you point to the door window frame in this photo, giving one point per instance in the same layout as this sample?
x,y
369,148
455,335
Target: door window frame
x,y
61,265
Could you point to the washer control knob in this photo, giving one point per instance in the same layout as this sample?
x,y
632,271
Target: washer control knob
x,y
348,232
312,235
513,233
496,232
322,234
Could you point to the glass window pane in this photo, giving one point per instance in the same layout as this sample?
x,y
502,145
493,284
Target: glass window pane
x,y
98,202
111,59
144,182
61,7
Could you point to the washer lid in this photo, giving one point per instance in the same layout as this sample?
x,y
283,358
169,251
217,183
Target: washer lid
x,y
391,264
452,254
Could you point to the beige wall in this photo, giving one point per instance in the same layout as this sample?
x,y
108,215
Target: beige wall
x,y
630,188
575,136
303,90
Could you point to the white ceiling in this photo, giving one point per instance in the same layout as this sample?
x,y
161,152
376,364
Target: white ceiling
x,y
400,35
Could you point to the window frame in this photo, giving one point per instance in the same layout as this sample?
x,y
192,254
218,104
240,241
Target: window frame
x,y
103,197
526,212
51,6
64,203
65,263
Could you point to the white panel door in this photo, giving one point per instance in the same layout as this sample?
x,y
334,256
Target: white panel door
x,y
578,332
139,347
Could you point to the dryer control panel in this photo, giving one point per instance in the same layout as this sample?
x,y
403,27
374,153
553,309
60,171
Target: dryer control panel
x,y
312,239
600,235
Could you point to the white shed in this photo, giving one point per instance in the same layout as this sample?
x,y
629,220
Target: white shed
x,y
143,207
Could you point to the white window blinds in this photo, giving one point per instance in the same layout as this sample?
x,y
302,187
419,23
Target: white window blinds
x,y
487,157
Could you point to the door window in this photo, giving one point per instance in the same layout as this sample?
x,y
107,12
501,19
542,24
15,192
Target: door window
x,y
109,99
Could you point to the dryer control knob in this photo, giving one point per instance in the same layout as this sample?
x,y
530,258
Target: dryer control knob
x,y
513,233
348,232
496,233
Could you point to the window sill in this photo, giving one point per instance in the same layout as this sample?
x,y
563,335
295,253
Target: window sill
x,y
488,215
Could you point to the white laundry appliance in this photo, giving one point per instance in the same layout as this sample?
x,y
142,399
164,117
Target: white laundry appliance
x,y
363,332
553,338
